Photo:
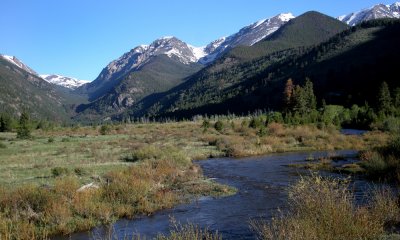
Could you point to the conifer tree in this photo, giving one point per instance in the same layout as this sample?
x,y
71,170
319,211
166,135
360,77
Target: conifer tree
x,y
396,98
299,100
5,123
2,124
24,130
384,99
310,96
288,94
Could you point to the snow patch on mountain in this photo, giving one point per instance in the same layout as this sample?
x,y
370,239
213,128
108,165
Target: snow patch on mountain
x,y
188,54
198,52
258,23
19,64
246,36
285,17
68,82
374,12
137,57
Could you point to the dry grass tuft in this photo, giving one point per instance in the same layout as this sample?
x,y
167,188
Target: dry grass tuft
x,y
323,209
189,232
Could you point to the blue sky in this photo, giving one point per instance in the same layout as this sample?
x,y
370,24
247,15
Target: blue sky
x,y
78,38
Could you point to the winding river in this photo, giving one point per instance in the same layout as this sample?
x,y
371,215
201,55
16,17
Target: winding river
x,y
261,183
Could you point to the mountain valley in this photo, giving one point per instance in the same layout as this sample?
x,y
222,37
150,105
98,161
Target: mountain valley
x,y
170,76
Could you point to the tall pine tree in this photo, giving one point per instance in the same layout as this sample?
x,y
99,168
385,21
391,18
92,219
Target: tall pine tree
x,y
384,100
288,94
5,123
303,99
24,130
396,98
310,96
2,124
299,100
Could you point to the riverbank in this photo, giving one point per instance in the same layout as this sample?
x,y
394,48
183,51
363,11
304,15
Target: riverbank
x,y
262,185
324,208
380,164
136,168
160,179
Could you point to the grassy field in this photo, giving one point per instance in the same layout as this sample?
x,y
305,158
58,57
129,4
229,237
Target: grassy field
x,y
136,168
89,154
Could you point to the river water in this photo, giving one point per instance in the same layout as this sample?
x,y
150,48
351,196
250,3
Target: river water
x,y
261,183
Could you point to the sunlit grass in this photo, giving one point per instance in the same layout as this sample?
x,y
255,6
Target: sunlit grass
x,y
138,168
161,178
84,147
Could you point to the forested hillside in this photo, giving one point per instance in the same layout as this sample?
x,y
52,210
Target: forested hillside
x,y
22,91
346,69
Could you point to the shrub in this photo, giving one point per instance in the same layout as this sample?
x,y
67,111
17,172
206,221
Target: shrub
x,y
60,171
389,124
5,123
190,232
205,124
2,145
219,125
392,148
256,122
244,123
104,129
79,171
171,154
276,129
132,157
262,132
373,163
65,140
233,125
66,186
50,140
384,162
384,206
323,209
274,117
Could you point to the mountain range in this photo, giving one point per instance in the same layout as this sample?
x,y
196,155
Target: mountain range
x,y
346,69
22,90
170,77
66,82
147,69
223,79
376,12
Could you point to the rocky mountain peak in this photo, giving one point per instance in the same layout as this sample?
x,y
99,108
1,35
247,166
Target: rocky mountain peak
x,y
375,12
14,60
184,53
67,82
134,59
246,36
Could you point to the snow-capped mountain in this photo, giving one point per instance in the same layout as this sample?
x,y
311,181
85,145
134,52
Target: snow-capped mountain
x,y
177,50
137,57
246,36
375,12
185,53
68,82
19,64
